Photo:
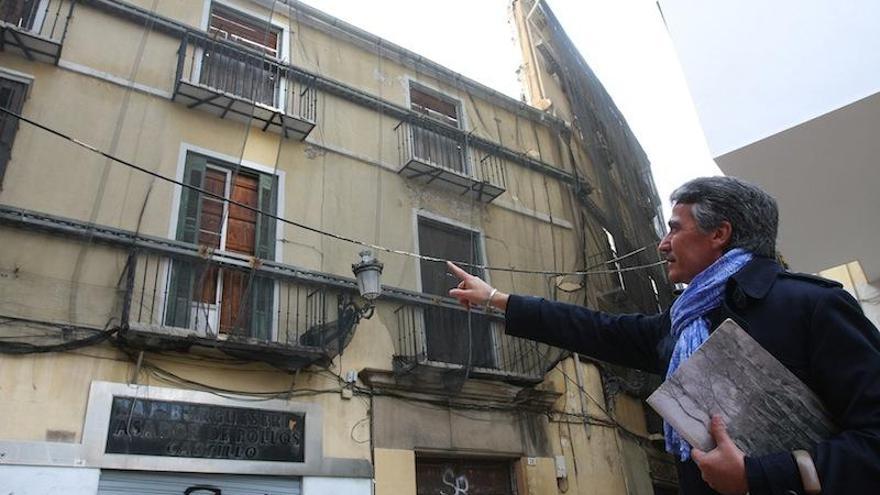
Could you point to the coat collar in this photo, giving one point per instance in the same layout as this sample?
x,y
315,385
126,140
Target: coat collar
x,y
757,277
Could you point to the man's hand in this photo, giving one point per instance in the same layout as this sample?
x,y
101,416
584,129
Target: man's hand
x,y
723,467
473,291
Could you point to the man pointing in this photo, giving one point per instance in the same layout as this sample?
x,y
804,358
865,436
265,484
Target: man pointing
x,y
722,242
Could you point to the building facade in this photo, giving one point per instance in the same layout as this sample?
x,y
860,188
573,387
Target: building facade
x,y
798,120
185,187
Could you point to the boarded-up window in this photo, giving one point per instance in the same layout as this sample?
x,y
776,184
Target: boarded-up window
x,y
447,330
433,105
463,476
12,99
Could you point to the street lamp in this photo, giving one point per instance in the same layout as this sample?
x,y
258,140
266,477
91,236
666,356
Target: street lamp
x,y
367,272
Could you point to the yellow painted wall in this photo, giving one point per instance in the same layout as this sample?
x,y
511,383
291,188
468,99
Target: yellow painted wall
x,y
539,475
395,471
341,180
593,453
630,412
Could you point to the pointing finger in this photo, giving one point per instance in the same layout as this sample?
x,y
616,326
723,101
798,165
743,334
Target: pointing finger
x,y
458,272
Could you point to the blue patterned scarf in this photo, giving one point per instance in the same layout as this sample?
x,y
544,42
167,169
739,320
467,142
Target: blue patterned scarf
x,y
691,327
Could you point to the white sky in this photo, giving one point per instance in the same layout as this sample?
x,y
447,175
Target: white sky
x,y
624,41
756,67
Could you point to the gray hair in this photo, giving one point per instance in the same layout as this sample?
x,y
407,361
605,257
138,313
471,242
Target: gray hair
x,y
752,213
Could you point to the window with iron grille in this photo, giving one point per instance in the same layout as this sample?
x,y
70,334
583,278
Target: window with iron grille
x,y
20,13
429,145
241,73
12,99
434,105
205,296
453,336
470,476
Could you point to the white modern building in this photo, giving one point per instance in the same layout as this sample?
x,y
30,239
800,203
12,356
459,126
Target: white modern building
x,y
788,93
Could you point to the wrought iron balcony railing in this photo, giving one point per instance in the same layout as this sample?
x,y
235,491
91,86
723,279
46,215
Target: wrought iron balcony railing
x,y
432,156
447,337
220,297
35,28
230,80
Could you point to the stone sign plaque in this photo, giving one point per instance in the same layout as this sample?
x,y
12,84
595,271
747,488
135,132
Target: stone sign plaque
x,y
185,429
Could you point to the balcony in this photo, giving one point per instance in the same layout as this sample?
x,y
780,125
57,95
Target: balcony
x,y
224,301
432,339
435,157
34,28
229,80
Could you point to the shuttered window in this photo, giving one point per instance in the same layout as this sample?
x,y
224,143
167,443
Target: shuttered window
x,y
12,99
243,300
239,28
433,105
447,330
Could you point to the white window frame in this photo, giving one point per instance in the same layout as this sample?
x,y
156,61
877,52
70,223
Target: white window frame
x,y
280,175
409,82
481,246
283,50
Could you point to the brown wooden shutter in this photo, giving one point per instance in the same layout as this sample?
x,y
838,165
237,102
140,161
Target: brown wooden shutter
x,y
239,28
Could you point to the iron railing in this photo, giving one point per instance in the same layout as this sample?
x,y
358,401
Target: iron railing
x,y
36,28
229,68
222,297
45,18
450,337
432,153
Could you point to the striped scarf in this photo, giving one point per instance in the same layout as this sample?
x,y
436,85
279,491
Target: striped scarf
x,y
691,327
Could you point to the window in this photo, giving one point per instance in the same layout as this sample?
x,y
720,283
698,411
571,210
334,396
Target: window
x,y
430,146
433,105
446,330
11,98
239,72
656,294
203,296
20,13
613,246
464,475
234,26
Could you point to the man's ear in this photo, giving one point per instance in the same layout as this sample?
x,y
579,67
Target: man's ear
x,y
722,234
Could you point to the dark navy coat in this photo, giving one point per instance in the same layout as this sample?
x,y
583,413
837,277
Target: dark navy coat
x,y
811,325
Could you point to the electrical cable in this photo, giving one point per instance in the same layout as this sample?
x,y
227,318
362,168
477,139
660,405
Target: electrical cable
x,y
314,229
19,348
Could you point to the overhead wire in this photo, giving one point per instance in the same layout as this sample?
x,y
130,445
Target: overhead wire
x,y
309,228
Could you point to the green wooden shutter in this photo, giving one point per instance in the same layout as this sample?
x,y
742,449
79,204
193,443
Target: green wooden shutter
x,y
263,290
180,287
265,242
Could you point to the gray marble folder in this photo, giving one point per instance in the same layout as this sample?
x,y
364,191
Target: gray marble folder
x,y
765,406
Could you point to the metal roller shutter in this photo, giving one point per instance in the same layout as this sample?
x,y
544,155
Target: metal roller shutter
x,y
156,483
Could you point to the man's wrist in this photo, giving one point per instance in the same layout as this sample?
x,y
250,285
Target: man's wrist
x,y
489,299
498,300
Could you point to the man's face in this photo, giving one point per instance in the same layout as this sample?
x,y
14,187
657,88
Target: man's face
x,y
687,249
